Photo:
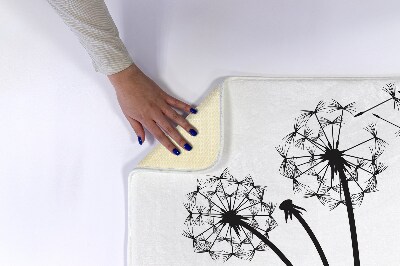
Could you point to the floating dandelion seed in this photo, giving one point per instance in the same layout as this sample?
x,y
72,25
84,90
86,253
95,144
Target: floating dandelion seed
x,y
344,175
225,215
393,92
393,124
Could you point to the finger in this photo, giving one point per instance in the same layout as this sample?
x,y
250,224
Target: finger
x,y
161,137
178,119
180,105
162,121
138,128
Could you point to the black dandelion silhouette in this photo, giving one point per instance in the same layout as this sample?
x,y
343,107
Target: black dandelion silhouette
x,y
394,95
291,210
331,173
225,215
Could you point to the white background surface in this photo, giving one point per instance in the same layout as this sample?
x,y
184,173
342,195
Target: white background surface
x,y
66,149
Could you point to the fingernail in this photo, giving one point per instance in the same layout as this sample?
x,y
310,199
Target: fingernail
x,y
176,152
187,147
193,111
140,140
192,132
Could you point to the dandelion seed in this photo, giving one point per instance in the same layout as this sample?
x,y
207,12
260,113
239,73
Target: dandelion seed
x,y
379,143
397,134
390,89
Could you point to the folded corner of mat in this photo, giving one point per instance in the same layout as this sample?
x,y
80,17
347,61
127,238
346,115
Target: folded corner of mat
x,y
206,144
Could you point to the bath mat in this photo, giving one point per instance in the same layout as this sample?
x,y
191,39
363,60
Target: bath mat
x,y
282,172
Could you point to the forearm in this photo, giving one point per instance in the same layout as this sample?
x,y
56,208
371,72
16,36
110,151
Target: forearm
x,y
125,76
142,101
92,23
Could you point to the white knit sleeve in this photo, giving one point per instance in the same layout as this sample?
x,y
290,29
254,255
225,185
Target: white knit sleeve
x,y
92,23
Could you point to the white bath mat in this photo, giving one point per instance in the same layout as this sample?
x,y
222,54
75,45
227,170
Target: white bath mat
x,y
261,142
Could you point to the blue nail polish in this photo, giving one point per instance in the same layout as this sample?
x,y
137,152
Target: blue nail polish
x,y
193,111
187,147
140,140
192,132
176,152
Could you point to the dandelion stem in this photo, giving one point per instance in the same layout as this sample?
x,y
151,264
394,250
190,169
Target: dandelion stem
x,y
266,241
290,209
313,237
361,113
350,215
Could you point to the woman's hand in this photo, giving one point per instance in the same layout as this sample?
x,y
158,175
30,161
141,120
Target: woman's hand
x,y
145,104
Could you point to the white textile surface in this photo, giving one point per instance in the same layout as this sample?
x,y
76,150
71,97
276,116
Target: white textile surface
x,y
164,203
66,149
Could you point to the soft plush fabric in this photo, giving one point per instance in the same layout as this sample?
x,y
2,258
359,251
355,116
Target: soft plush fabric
x,y
244,122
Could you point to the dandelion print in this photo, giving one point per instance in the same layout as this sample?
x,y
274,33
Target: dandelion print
x,y
290,209
393,124
321,167
394,95
230,217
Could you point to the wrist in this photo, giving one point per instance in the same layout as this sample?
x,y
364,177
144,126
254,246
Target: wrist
x,y
127,74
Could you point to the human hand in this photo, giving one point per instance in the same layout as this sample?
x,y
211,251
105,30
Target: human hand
x,y
145,104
